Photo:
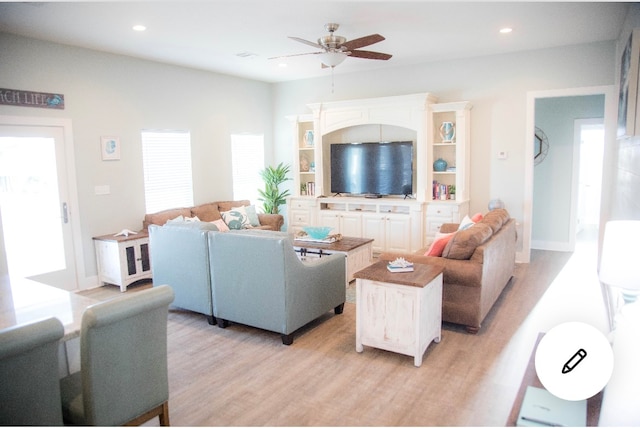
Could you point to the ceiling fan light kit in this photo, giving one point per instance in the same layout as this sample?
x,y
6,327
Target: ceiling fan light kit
x,y
335,49
331,59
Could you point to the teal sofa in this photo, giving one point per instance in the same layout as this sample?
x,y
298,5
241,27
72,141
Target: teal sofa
x,y
258,280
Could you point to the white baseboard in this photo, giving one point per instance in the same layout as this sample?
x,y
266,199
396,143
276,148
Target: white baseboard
x,y
551,246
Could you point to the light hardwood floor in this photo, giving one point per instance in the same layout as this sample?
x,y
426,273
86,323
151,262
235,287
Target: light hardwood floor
x,y
242,376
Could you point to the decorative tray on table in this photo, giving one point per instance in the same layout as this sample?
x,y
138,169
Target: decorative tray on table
x,y
303,236
400,265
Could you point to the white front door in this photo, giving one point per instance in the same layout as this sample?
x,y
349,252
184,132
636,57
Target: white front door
x,y
34,205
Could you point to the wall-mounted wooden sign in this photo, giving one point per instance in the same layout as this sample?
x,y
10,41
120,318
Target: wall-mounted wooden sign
x,y
16,97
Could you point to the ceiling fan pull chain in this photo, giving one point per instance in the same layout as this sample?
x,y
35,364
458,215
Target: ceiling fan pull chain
x,y
332,85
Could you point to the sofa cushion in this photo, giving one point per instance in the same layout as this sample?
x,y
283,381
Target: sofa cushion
x,y
464,242
198,225
496,218
229,205
236,218
206,212
437,247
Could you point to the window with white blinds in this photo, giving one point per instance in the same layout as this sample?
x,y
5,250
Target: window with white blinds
x,y
166,157
247,159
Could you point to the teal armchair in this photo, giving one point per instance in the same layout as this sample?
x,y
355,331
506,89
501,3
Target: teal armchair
x,y
258,280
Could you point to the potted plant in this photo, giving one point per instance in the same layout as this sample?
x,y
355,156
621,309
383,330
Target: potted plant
x,y
271,195
452,192
303,188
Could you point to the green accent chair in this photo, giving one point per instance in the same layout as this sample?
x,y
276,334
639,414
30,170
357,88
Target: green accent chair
x,y
258,280
123,357
29,373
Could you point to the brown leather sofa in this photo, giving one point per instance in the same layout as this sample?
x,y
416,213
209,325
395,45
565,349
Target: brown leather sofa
x,y
478,263
211,212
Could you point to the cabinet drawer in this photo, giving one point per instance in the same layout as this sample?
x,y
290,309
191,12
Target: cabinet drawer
x,y
299,218
442,210
301,204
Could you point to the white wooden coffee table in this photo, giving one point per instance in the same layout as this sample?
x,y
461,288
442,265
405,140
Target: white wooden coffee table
x,y
399,312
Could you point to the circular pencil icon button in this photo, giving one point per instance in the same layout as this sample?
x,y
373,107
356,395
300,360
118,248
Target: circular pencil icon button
x,y
574,361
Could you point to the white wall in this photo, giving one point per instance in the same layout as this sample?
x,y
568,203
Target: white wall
x,y
497,87
116,95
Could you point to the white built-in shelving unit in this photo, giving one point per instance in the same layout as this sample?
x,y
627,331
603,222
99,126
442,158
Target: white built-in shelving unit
x,y
394,222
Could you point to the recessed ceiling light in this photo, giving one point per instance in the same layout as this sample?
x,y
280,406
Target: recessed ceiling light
x,y
506,30
139,27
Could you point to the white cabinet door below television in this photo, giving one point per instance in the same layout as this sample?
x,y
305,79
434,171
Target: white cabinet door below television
x,y
398,233
373,227
351,225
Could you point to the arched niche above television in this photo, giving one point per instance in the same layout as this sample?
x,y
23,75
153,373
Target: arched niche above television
x,y
403,117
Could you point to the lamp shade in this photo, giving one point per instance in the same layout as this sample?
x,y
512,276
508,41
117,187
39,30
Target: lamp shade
x,y
331,59
620,261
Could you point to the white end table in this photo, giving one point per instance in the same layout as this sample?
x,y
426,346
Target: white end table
x,y
399,312
123,260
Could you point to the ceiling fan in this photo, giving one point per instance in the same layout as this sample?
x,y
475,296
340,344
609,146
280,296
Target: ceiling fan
x,y
334,49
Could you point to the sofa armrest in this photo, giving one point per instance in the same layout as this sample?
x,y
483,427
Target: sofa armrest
x,y
449,227
274,221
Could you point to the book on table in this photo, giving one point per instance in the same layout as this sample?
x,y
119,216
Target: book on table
x,y
399,269
540,408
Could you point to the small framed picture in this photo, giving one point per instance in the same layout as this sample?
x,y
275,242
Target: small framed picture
x,y
110,148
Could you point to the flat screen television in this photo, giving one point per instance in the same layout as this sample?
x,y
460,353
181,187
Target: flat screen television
x,y
372,169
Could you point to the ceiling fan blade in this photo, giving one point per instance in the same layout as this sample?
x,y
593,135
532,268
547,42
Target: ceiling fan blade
x,y
307,42
369,55
363,41
300,54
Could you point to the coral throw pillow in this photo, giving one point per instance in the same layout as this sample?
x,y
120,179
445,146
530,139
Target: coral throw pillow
x,y
476,217
437,246
221,225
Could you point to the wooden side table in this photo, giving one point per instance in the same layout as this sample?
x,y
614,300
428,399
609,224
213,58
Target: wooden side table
x,y
123,260
399,312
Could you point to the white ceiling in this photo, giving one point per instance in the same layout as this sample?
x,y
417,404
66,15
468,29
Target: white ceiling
x,y
209,34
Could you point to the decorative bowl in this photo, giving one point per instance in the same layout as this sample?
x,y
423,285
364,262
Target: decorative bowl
x,y
317,232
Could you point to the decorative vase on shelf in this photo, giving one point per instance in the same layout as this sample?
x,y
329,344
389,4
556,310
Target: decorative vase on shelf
x,y
440,165
308,138
447,132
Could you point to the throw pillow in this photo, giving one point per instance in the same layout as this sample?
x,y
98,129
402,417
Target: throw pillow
x,y
437,246
236,218
476,217
221,225
253,215
466,223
